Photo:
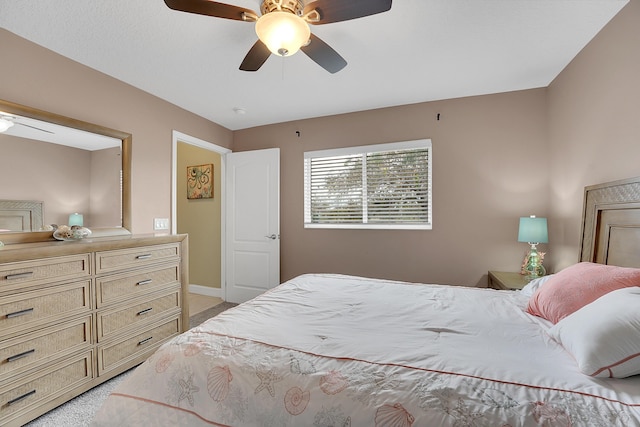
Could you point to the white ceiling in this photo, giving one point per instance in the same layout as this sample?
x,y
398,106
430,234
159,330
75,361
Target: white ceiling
x,y
421,50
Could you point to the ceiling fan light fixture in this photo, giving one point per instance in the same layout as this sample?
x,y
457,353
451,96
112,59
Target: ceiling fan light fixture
x,y
282,32
5,124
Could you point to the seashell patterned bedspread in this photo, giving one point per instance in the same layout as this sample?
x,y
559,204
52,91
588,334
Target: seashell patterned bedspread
x,y
333,350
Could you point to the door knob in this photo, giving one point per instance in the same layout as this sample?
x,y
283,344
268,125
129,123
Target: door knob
x,y
272,237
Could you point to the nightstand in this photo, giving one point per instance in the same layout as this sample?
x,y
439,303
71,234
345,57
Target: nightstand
x,y
505,280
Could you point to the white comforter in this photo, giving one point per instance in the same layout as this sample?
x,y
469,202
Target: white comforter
x,y
331,350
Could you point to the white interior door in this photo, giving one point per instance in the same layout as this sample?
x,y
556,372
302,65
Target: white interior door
x,y
253,223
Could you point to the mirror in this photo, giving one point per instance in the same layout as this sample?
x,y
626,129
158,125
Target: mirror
x,y
53,167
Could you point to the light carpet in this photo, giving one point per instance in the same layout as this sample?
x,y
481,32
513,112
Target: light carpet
x,y
79,411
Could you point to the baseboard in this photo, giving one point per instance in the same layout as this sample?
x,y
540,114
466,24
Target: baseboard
x,y
205,290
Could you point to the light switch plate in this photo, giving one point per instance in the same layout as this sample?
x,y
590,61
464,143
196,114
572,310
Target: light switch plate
x,y
161,223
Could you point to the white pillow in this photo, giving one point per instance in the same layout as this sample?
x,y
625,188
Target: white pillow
x,y
530,288
604,336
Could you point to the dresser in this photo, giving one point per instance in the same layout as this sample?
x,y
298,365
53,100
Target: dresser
x,y
75,314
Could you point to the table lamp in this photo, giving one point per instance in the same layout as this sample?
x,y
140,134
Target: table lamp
x,y
533,231
76,219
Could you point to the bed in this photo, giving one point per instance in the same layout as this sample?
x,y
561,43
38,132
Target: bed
x,y
20,215
336,350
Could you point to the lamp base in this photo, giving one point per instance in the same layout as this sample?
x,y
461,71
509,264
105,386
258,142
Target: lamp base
x,y
533,268
534,273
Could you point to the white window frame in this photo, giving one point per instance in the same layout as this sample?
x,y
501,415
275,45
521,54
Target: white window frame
x,y
394,146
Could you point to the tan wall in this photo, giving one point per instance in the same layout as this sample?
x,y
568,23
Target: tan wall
x,y
200,218
36,77
66,179
104,195
490,168
594,126
44,174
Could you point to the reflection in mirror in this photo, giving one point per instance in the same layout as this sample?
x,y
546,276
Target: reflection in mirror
x,y
66,166
20,215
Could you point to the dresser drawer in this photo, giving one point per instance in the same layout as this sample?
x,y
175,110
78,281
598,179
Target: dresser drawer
x,y
44,306
19,275
110,356
153,307
39,388
123,259
27,351
122,287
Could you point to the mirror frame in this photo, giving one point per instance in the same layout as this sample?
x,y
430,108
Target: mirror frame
x,y
39,236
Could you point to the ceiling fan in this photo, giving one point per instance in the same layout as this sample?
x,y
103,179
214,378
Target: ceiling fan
x,y
7,121
283,26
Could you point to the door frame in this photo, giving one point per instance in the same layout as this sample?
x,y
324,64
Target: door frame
x,y
191,140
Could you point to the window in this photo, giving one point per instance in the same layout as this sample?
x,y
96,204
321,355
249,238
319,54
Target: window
x,y
374,186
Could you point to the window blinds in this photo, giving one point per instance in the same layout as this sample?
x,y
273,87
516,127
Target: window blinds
x,y
380,186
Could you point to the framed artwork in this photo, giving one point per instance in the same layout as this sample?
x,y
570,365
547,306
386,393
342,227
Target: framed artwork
x,y
200,182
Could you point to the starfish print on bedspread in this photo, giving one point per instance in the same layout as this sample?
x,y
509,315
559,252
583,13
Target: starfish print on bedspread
x,y
232,347
462,414
187,390
267,379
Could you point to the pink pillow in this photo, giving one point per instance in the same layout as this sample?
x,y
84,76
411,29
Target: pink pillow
x,y
578,285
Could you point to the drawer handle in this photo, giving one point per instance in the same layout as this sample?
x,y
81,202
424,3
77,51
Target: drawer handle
x,y
145,256
144,282
20,313
144,341
21,355
145,311
19,398
19,275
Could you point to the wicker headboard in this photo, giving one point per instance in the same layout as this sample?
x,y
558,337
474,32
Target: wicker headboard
x,y
611,223
21,215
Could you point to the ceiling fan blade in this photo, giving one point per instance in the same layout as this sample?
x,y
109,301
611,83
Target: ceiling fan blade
x,y
339,10
324,55
211,8
256,56
33,127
